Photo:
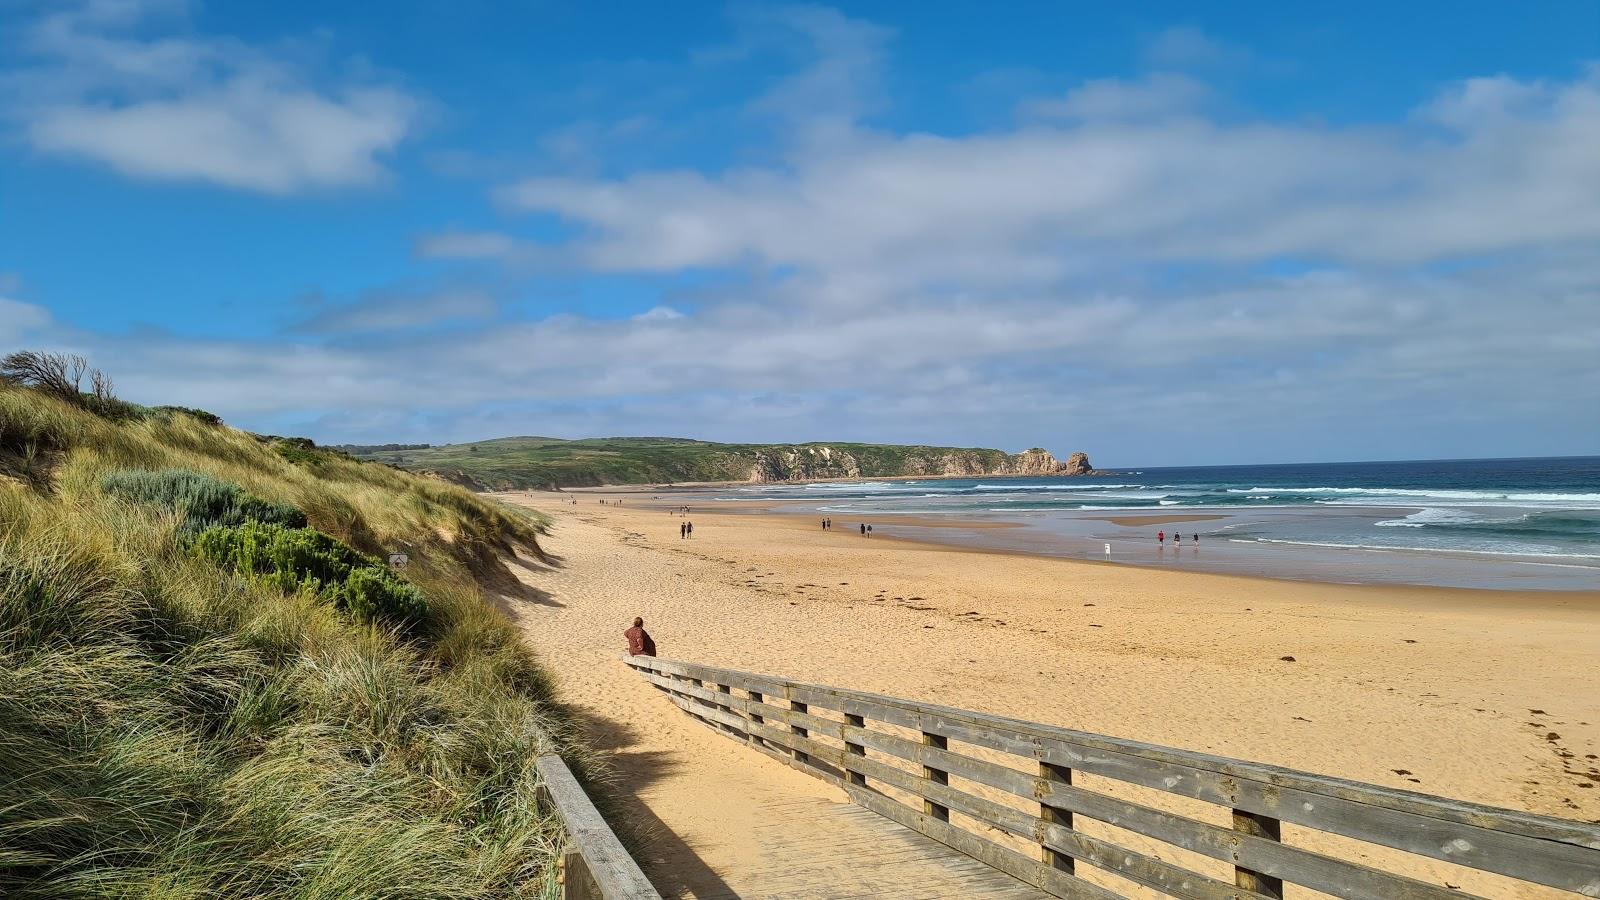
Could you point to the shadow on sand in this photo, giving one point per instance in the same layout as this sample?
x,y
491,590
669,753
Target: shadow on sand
x,y
671,863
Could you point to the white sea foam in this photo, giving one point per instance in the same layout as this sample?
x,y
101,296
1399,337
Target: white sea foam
x,y
1576,499
1509,550
1432,515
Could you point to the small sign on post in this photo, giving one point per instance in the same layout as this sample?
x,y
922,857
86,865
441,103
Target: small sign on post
x,y
399,560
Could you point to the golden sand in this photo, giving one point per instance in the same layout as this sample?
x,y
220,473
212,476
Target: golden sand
x,y
1489,696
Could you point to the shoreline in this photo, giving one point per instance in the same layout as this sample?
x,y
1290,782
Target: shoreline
x,y
788,513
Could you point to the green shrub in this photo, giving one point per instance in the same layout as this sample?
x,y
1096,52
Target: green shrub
x,y
203,501
304,559
372,593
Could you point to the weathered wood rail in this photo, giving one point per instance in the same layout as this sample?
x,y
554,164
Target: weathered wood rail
x,y
969,771
594,865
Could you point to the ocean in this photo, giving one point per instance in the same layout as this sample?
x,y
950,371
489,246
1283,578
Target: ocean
x,y
1523,523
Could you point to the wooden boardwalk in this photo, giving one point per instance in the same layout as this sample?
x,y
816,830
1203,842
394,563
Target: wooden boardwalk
x,y
847,851
1092,843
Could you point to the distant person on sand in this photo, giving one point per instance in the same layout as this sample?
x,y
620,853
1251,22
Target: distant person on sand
x,y
869,531
690,527
639,641
1196,537
863,529
1161,537
1177,537
683,530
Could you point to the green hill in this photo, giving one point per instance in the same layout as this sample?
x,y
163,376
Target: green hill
x,y
212,684
539,462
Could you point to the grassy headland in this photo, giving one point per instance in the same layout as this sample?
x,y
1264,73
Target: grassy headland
x,y
211,684
540,463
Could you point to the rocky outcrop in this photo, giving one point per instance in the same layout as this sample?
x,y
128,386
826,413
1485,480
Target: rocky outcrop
x,y
813,462
810,463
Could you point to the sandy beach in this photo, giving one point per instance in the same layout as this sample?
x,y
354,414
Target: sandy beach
x,y
1489,696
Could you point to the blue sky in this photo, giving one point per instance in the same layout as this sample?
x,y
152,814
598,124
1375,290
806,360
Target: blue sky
x,y
1166,234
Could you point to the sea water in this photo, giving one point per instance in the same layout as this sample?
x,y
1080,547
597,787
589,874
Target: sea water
x,y
1480,523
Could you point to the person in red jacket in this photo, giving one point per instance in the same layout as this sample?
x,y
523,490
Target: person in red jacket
x,y
639,641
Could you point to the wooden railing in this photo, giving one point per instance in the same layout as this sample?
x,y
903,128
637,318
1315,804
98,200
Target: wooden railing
x,y
593,865
969,771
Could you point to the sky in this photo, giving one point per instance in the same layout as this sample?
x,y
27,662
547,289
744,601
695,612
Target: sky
x,y
1162,233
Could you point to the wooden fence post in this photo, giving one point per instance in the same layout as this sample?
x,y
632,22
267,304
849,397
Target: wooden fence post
x,y
1261,827
727,689
797,706
937,776
757,718
1055,774
857,749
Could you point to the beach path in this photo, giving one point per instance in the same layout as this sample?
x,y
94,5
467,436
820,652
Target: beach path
x,y
718,820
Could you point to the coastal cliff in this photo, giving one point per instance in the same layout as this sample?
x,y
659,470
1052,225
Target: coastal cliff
x,y
539,462
812,462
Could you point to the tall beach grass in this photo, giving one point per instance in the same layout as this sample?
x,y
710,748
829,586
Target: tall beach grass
x,y
174,728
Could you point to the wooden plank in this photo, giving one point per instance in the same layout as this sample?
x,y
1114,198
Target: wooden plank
x,y
1009,861
613,872
1509,821
1540,849
1302,866
1551,863
1130,864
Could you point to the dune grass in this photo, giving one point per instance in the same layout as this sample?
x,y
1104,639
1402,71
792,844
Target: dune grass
x,y
174,726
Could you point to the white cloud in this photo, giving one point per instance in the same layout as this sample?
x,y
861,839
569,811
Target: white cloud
x,y
197,108
1175,188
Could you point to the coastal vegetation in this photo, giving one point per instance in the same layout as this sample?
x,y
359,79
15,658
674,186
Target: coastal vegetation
x,y
543,463
212,683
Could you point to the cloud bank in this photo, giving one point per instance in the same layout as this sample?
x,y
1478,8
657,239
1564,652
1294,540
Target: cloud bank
x,y
1124,269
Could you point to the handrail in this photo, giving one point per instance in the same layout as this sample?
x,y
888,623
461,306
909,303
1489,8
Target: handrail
x,y
594,866
777,716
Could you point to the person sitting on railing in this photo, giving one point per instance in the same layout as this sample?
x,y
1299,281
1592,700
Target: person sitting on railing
x,y
639,641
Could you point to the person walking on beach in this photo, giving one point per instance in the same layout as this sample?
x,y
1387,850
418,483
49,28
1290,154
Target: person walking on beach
x,y
1161,537
690,527
869,531
1195,537
1177,537
639,641
683,530
863,529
